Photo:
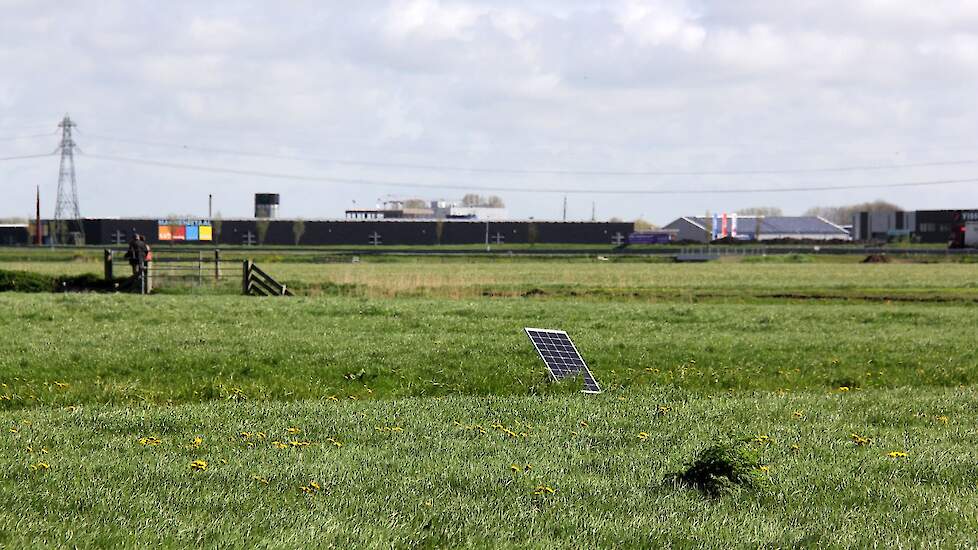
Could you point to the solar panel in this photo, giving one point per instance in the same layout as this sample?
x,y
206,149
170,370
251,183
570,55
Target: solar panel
x,y
561,356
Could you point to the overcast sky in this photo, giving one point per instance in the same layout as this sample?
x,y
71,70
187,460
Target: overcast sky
x,y
416,90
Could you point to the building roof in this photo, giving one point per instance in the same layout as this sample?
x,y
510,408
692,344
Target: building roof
x,y
781,225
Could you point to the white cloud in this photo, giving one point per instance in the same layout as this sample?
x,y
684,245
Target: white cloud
x,y
552,84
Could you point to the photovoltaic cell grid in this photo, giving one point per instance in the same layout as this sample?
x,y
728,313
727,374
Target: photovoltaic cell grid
x,y
561,356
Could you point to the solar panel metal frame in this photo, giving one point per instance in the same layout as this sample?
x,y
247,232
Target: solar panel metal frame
x,y
585,371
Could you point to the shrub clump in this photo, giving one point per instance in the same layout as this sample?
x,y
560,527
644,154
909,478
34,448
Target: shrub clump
x,y
722,468
25,281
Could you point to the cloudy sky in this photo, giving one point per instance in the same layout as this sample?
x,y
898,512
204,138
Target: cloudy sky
x,y
363,101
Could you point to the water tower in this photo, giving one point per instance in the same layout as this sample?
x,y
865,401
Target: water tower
x,y
266,205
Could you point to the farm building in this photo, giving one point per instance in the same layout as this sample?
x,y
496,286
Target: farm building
x,y
11,234
277,232
926,226
761,228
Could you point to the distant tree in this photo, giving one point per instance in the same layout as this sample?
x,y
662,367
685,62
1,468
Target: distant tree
x,y
473,199
643,225
298,229
842,215
14,221
615,219
415,203
216,228
495,202
760,211
262,227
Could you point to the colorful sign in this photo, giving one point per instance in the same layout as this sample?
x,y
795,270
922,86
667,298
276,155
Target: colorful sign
x,y
185,230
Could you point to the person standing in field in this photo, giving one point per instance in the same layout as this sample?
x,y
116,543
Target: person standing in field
x,y
136,253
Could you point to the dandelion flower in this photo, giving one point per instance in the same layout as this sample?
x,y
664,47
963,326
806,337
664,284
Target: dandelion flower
x,y
293,431
514,467
198,465
798,414
314,485
150,441
942,419
859,440
40,466
643,436
897,454
843,388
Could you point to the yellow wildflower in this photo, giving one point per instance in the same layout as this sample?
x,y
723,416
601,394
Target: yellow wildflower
x,y
40,466
61,385
293,431
860,440
260,479
514,467
643,436
314,485
150,441
942,419
897,454
543,490
798,414
843,388
198,465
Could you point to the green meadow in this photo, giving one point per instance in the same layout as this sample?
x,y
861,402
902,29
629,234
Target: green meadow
x,y
398,403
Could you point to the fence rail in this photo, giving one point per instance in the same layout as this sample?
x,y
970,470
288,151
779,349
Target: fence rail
x,y
256,282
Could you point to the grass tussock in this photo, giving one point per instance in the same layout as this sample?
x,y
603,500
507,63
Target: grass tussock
x,y
722,468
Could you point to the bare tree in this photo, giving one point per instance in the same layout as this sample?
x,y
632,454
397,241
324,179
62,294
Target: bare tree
x,y
472,199
495,202
760,211
415,203
842,215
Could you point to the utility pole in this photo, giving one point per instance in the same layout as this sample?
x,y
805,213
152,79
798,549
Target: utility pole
x,y
66,207
38,231
565,208
210,207
592,212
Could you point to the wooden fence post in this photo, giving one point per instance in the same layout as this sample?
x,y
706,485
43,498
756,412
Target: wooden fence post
x,y
217,264
200,268
246,277
108,265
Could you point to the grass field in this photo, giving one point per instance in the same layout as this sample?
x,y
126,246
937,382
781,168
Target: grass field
x,y
399,404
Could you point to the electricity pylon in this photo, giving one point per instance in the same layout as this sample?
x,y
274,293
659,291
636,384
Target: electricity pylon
x,y
66,207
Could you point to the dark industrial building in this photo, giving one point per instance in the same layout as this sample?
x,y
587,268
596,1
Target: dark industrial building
x,y
277,232
925,226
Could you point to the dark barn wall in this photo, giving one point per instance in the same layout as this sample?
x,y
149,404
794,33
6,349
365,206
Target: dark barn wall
x,y
11,236
934,226
359,232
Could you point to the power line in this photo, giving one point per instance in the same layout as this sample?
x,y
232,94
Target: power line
x,y
553,172
476,187
21,157
29,136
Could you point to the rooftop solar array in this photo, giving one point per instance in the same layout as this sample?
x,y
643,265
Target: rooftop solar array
x,y
561,357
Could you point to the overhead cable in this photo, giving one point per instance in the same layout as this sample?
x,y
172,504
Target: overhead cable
x,y
478,187
551,172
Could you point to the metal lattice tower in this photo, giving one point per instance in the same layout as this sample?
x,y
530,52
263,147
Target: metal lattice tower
x,y
66,207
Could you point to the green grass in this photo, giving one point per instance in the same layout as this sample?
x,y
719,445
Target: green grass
x,y
793,358
443,481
